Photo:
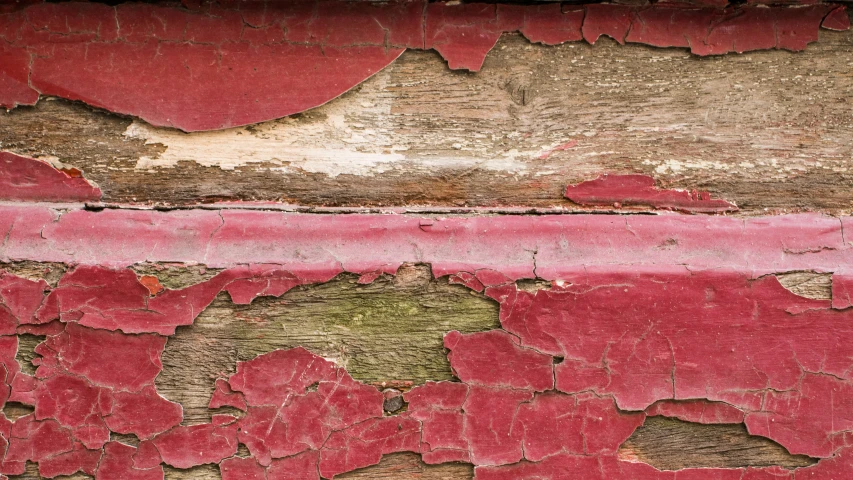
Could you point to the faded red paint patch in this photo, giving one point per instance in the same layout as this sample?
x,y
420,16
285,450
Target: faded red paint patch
x,y
505,246
558,148
630,190
28,179
283,58
842,290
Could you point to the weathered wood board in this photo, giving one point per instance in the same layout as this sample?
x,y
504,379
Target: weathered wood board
x,y
415,236
766,130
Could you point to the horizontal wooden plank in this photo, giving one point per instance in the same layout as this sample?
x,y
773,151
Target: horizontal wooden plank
x,y
766,130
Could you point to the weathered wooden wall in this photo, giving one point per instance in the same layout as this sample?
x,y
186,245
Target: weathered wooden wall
x,y
769,131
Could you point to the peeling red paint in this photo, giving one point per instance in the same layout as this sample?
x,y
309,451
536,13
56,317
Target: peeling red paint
x,y
842,290
629,190
677,322
467,279
364,444
369,277
649,357
270,430
242,468
697,411
20,299
29,179
495,359
223,396
117,462
117,299
285,57
836,19
307,414
581,424
315,251
79,459
185,447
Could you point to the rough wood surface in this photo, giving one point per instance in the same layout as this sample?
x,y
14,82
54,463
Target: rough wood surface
x,y
390,330
767,130
808,284
671,444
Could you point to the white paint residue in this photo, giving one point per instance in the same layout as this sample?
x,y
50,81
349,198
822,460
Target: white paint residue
x,y
677,166
349,136
331,145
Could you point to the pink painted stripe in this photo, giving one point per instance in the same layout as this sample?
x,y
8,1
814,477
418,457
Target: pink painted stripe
x,y
553,245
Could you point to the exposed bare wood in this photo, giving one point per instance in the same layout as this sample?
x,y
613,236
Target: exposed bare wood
x,y
767,130
407,465
671,444
390,330
808,284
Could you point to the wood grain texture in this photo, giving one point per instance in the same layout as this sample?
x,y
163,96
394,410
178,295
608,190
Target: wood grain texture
x,y
808,284
390,330
670,444
767,130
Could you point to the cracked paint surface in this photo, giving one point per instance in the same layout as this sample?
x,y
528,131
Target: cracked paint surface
x,y
630,190
573,371
266,61
647,315
280,244
683,319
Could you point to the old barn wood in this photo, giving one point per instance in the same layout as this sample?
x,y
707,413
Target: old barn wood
x,y
375,240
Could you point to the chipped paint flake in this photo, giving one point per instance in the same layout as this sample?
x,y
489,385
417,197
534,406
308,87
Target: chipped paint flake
x,y
29,179
631,190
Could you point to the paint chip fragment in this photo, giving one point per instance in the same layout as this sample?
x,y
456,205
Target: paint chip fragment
x,y
29,179
633,190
